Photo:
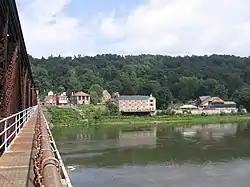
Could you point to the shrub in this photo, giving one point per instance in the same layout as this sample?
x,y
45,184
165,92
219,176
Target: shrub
x,y
203,114
111,109
222,113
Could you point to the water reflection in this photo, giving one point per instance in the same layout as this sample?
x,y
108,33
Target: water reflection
x,y
210,131
137,137
132,154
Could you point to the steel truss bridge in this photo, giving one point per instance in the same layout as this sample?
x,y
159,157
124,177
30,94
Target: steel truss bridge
x,y
28,154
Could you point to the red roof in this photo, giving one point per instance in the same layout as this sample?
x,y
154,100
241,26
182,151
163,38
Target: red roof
x,y
112,100
217,99
81,94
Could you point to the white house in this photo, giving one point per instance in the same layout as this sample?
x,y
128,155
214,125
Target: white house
x,y
80,98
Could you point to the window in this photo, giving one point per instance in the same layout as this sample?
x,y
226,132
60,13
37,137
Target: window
x,y
151,104
151,100
79,97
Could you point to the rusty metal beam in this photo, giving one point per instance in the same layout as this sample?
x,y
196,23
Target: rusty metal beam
x,y
9,15
46,166
16,81
3,63
9,83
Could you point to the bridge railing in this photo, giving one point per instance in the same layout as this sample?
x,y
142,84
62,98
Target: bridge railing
x,y
11,126
52,152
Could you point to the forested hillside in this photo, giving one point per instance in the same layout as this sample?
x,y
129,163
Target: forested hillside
x,y
167,78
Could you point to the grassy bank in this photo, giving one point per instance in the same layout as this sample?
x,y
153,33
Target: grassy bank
x,y
187,119
92,115
65,117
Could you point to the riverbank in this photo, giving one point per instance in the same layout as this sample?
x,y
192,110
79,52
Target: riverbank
x,y
94,116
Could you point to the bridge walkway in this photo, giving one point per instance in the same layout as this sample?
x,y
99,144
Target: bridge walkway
x,y
16,164
32,144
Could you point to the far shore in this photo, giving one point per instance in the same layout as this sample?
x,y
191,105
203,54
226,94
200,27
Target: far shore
x,y
71,117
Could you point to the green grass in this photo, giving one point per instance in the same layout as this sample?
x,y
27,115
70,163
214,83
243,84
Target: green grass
x,y
91,107
178,119
65,117
72,117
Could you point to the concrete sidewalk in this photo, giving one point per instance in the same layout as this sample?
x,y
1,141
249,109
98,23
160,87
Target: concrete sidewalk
x,y
16,164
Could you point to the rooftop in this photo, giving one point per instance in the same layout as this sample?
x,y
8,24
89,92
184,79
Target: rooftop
x,y
202,98
229,103
133,97
212,99
49,97
81,94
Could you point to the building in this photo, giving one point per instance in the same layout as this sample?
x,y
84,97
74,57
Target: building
x,y
208,102
136,104
209,105
50,99
62,99
80,98
50,93
115,95
105,96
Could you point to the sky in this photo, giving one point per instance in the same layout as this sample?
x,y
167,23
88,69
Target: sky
x,y
168,27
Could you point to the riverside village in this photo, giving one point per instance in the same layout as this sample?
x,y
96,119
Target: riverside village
x,y
144,105
122,93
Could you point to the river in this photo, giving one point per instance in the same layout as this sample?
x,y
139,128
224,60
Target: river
x,y
214,155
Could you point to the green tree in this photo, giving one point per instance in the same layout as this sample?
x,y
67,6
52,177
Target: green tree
x,y
221,91
242,97
73,84
185,77
61,89
129,80
189,87
113,86
111,109
42,79
208,86
94,97
164,98
96,88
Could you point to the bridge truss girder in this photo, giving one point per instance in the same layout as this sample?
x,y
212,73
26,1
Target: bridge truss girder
x,y
17,89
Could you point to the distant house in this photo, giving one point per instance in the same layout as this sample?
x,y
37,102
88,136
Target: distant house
x,y
62,99
136,104
105,96
208,102
80,98
188,107
50,93
115,95
50,99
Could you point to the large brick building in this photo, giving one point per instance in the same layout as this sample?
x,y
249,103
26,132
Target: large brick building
x,y
136,104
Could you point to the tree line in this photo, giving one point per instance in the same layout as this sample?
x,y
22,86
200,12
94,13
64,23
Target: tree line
x,y
169,79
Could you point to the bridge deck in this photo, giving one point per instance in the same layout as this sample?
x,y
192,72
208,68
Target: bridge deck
x,y
16,165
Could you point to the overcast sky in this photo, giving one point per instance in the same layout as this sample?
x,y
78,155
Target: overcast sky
x,y
169,27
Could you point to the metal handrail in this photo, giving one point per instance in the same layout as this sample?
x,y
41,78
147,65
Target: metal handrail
x,y
19,119
4,119
57,155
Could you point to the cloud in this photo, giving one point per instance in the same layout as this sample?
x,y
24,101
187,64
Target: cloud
x,y
172,27
48,30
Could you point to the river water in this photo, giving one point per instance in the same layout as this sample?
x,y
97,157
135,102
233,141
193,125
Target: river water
x,y
215,155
